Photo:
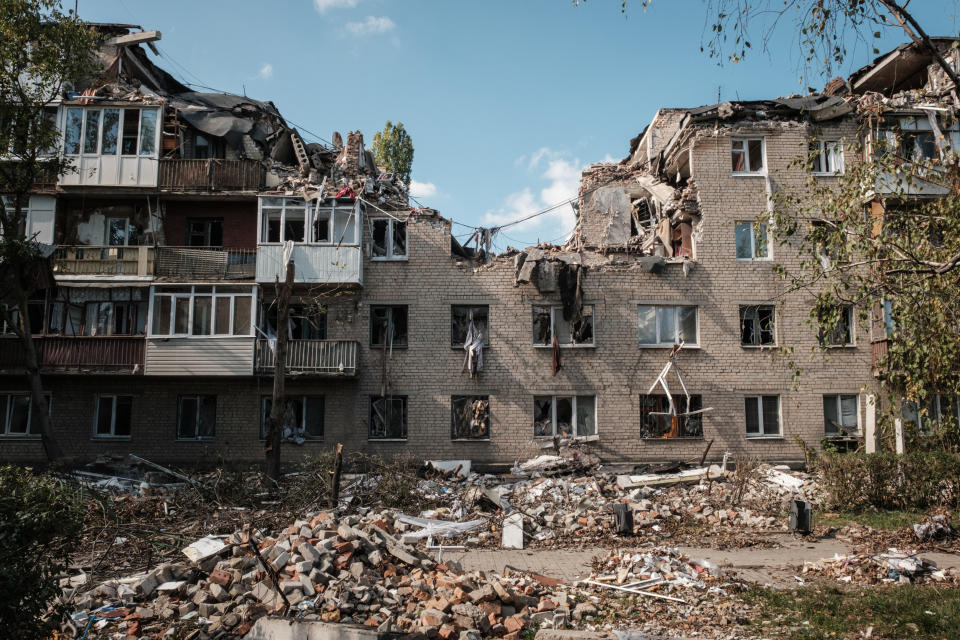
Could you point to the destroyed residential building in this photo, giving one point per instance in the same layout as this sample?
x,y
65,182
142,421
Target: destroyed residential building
x,y
185,208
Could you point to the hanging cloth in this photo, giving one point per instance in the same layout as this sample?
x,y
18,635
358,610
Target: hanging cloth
x,y
473,345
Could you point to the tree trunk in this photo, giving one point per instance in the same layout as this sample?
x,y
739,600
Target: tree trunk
x,y
278,407
40,413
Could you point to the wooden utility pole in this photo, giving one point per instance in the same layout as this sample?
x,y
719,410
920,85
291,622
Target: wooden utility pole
x,y
335,480
279,405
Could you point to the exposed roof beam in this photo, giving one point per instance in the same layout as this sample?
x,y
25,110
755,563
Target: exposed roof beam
x,y
134,38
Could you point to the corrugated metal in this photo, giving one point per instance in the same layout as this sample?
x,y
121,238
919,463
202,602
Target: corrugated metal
x,y
320,264
225,356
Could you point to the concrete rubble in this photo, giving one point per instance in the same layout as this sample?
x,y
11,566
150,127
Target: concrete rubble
x,y
900,567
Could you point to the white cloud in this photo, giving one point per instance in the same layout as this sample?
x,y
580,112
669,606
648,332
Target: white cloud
x,y
558,176
322,5
372,25
422,189
266,71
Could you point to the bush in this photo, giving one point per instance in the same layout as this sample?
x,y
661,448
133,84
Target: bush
x,y
915,480
40,520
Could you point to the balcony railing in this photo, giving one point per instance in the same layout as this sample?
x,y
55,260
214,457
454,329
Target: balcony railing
x,y
879,349
90,353
211,175
206,263
103,261
319,357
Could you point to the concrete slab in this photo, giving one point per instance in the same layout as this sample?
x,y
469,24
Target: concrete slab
x,y
282,629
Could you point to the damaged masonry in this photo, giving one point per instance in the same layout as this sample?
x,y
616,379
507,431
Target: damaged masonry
x,y
169,294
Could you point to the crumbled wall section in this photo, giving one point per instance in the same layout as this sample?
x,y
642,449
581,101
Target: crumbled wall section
x,y
605,215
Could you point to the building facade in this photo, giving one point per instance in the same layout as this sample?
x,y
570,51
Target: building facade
x,y
185,208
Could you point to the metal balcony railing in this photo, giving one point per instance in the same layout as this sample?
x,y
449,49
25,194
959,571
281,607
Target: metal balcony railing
x,y
106,353
205,263
210,175
320,357
103,261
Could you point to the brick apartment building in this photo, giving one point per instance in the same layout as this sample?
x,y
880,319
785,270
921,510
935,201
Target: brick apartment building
x,y
184,207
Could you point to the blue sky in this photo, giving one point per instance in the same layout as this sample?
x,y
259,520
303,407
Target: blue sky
x,y
506,101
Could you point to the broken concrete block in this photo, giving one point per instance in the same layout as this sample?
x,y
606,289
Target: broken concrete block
x,y
513,531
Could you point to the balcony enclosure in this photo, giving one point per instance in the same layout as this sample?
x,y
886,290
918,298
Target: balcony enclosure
x,y
115,145
325,236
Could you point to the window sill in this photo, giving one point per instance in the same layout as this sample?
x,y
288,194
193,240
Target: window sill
x,y
826,174
747,174
386,439
195,440
469,439
383,259
565,346
297,243
21,436
842,436
748,260
459,347
395,347
764,437
108,437
838,346
759,347
678,439
693,347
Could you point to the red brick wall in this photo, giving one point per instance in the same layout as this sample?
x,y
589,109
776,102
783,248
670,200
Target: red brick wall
x,y
239,221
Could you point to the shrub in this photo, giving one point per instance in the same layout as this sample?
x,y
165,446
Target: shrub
x,y
40,520
915,480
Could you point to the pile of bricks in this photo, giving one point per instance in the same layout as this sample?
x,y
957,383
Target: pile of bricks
x,y
351,569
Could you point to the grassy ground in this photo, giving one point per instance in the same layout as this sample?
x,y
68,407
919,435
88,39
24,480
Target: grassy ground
x,y
829,612
883,520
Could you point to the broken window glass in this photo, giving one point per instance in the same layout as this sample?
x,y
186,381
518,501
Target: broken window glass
x,y
762,415
399,247
344,225
542,416
113,415
827,156
757,325
550,320
302,417
841,415
111,123
470,417
389,239
131,128
542,323
380,238
71,134
197,417
388,418
656,421
388,326
564,416
460,316
321,226
92,131
840,331
586,416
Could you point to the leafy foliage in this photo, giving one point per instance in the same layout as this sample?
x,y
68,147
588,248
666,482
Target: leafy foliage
x,y
39,521
393,149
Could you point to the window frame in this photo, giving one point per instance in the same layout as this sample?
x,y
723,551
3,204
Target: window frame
x,y
822,151
851,330
557,308
302,398
389,256
469,398
112,435
454,344
759,344
761,434
573,413
696,399
101,109
198,398
754,257
405,408
390,309
5,419
267,205
745,140
231,291
676,340
839,409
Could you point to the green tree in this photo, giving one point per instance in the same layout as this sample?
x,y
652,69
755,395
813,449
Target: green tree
x,y
42,48
393,149
40,520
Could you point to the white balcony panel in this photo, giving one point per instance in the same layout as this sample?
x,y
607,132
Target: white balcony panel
x,y
314,264
220,356
111,171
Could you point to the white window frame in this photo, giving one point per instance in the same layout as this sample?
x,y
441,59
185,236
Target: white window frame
x,y
758,399
5,432
753,241
229,291
198,398
745,141
676,336
553,414
113,417
554,310
267,205
838,397
389,240
824,151
102,108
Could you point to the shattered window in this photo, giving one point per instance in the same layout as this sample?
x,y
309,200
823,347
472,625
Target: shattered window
x,y
548,321
656,420
112,415
827,156
283,219
205,232
460,317
841,414
389,239
71,133
302,417
388,418
111,124
321,226
131,129
470,417
746,155
762,415
197,417
564,416
16,415
388,326
91,131
307,322
757,325
666,325
841,332
752,240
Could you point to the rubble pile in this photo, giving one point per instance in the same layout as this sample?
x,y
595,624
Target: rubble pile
x,y
891,567
351,570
